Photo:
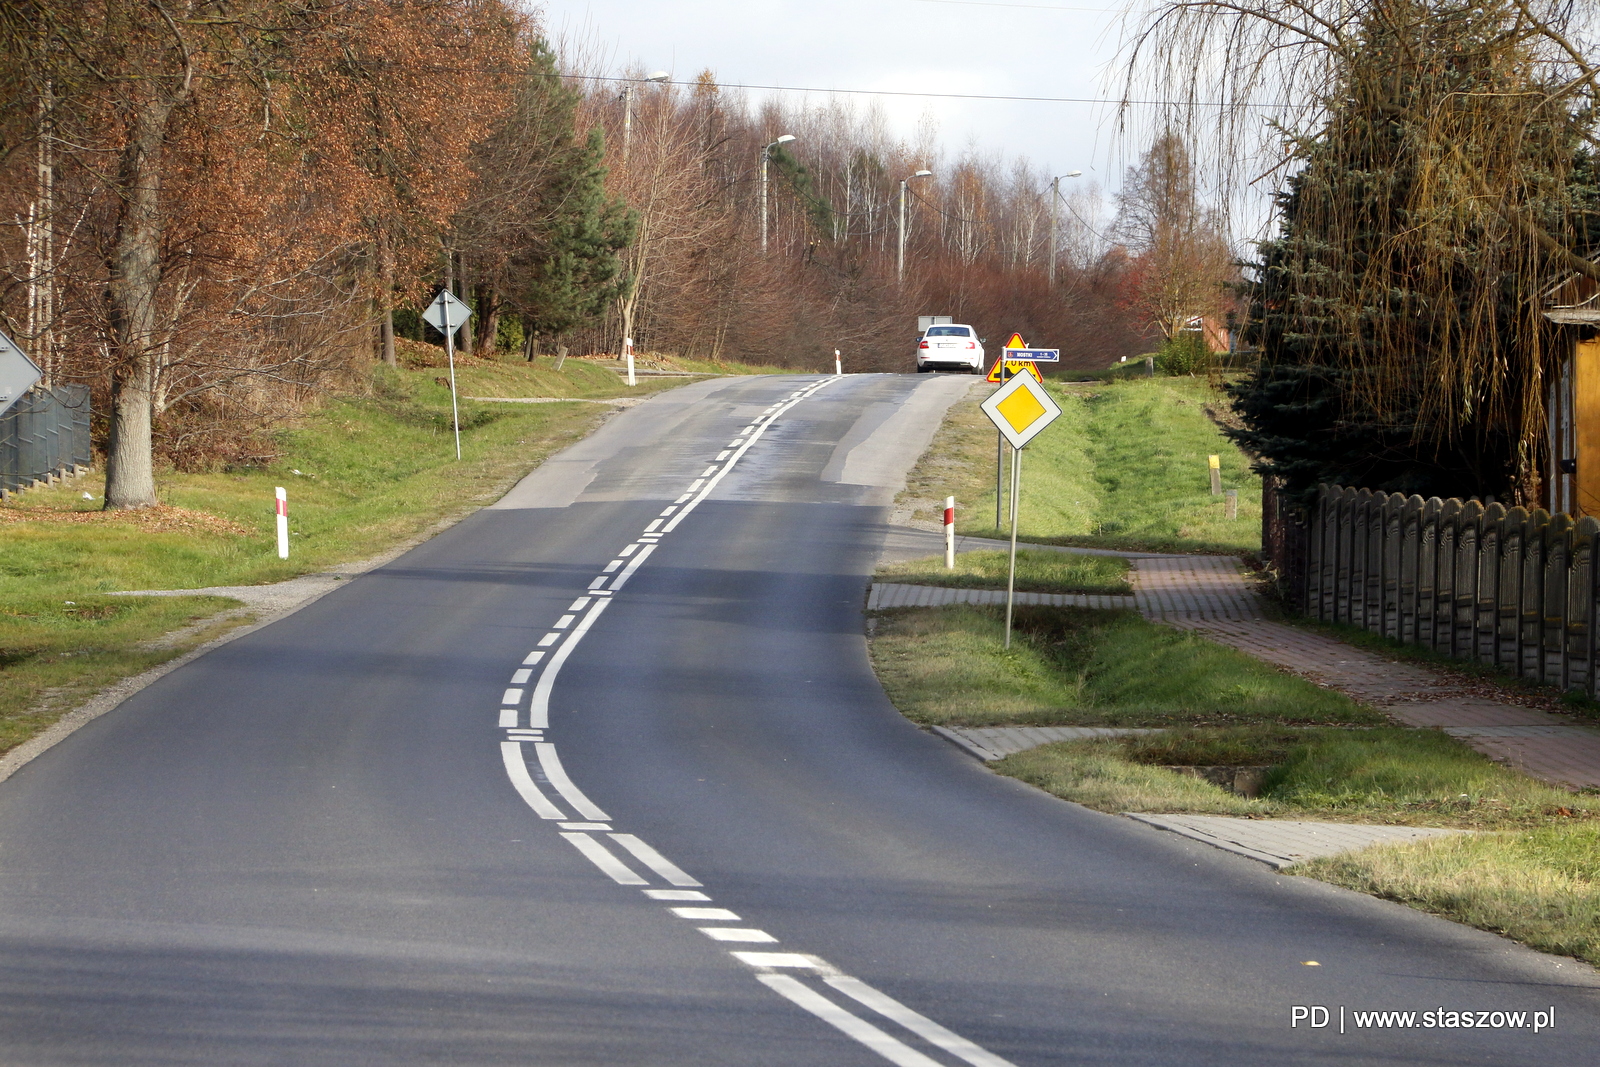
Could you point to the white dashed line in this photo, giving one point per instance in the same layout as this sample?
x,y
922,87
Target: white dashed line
x,y
539,710
534,657
521,677
579,604
669,511
548,639
648,856
602,826
633,565
613,565
511,696
724,455
598,582
564,622
708,915
597,854
630,550
675,894
738,933
709,471
652,527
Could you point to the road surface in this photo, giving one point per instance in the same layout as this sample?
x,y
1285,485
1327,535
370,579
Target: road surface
x,y
602,776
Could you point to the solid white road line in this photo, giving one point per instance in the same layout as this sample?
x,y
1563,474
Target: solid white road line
x,y
633,565
743,447
522,781
539,711
675,894
918,1024
738,933
557,776
654,860
708,915
896,1052
597,854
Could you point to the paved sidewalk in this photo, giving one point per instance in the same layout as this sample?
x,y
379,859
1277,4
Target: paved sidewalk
x,y
1212,595
1283,842
998,742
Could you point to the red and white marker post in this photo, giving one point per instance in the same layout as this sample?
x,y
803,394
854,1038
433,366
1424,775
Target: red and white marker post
x,y
950,533
627,351
283,523
838,364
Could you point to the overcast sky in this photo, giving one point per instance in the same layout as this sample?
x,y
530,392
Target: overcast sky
x,y
1025,48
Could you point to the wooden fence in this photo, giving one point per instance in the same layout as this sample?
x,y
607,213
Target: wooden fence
x,y
1512,588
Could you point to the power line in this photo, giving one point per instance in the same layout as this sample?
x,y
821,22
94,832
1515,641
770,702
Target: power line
x,y
1031,7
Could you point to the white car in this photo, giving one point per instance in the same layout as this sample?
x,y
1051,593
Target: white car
x,y
950,347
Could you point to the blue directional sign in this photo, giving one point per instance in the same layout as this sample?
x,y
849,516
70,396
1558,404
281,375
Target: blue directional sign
x,y
1035,355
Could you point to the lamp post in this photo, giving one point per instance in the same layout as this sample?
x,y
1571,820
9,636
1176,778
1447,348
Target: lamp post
x,y
765,152
900,259
1055,199
627,111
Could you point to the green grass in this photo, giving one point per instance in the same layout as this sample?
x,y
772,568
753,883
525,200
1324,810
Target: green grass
x,y
1079,667
1124,467
1037,572
58,650
364,474
1541,887
1386,774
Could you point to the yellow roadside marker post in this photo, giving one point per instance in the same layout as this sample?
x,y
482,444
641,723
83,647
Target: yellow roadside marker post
x,y
1019,409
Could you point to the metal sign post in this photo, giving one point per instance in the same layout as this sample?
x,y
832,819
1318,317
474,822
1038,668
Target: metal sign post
x,y
447,315
1019,409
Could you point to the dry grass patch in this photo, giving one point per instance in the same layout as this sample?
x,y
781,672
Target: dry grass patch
x,y
1096,774
1541,887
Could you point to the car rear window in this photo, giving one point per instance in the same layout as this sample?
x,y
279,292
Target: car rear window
x,y
949,331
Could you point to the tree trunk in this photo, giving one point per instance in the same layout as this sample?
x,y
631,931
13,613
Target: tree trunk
x,y
135,283
386,325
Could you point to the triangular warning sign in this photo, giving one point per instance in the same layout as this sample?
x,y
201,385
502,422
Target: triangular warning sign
x,y
1016,341
1006,369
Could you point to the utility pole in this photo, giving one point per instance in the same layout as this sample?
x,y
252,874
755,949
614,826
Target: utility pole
x,y
627,112
765,153
1055,201
900,258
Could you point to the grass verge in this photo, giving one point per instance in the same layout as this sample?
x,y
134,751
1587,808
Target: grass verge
x,y
1081,667
1387,774
1124,467
1540,887
1037,572
365,474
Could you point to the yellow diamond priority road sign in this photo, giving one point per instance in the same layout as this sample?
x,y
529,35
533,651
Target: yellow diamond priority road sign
x,y
1021,408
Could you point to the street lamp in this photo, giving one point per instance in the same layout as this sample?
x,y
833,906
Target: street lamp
x,y
900,261
627,110
1055,199
765,152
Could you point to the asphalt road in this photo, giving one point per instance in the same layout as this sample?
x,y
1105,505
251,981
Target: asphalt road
x,y
361,836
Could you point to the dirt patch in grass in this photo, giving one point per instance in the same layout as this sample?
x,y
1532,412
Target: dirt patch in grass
x,y
1081,667
1037,572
